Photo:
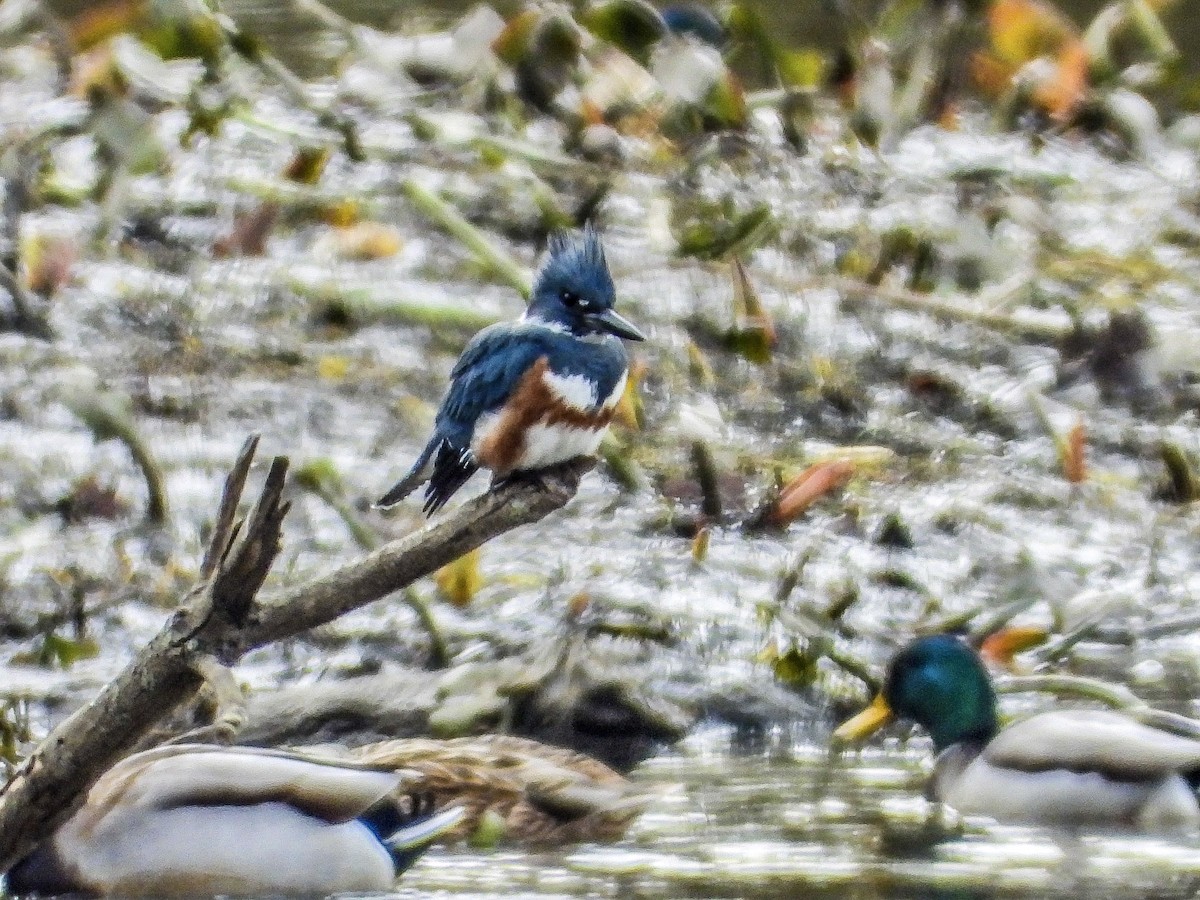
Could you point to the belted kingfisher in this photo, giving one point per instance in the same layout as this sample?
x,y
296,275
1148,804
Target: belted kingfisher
x,y
529,394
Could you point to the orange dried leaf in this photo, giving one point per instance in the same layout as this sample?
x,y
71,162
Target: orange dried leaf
x,y
98,21
590,112
578,605
1001,646
806,488
1022,30
1063,92
1075,454
990,74
948,118
365,241
1025,30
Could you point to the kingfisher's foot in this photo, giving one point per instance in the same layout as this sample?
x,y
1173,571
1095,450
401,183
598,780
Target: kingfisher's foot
x,y
532,477
537,477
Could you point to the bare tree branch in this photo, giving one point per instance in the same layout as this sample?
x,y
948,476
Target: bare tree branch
x,y
244,568
223,530
222,621
399,563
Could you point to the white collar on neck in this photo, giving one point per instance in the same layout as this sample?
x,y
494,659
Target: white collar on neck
x,y
539,322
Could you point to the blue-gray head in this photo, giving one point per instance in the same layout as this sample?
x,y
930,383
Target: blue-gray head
x,y
573,289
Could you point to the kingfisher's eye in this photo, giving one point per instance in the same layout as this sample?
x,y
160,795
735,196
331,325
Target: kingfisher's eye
x,y
573,300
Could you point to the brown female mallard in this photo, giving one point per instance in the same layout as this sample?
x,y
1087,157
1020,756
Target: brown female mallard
x,y
543,795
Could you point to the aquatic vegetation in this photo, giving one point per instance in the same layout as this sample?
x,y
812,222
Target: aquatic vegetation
x,y
922,293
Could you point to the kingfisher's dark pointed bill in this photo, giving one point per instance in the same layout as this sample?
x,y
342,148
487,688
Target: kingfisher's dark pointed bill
x,y
614,323
534,393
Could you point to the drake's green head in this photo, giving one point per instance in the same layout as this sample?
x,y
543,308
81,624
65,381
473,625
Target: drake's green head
x,y
938,682
941,684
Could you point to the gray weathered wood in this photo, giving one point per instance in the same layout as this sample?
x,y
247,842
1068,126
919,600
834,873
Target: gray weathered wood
x,y
223,618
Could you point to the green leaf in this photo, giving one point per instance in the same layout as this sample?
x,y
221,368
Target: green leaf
x,y
632,25
796,668
57,652
715,235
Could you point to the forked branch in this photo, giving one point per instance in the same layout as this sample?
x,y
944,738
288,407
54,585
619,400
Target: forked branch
x,y
222,618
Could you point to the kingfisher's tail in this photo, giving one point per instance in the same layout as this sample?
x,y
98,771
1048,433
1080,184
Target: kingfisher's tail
x,y
416,476
452,468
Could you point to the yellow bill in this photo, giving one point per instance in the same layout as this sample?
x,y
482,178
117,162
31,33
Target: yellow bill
x,y
866,723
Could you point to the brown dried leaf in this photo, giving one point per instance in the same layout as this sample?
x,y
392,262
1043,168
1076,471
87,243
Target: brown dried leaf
x,y
806,488
1075,454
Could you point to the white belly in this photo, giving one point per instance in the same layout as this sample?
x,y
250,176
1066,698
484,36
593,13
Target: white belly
x,y
548,445
543,446
266,848
1074,798
499,443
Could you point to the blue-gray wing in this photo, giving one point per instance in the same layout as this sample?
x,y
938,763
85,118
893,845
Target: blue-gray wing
x,y
486,374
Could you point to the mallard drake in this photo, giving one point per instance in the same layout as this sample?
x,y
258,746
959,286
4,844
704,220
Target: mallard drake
x,y
544,795
195,819
1069,768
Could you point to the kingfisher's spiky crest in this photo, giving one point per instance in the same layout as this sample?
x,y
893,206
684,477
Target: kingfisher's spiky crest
x,y
576,264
